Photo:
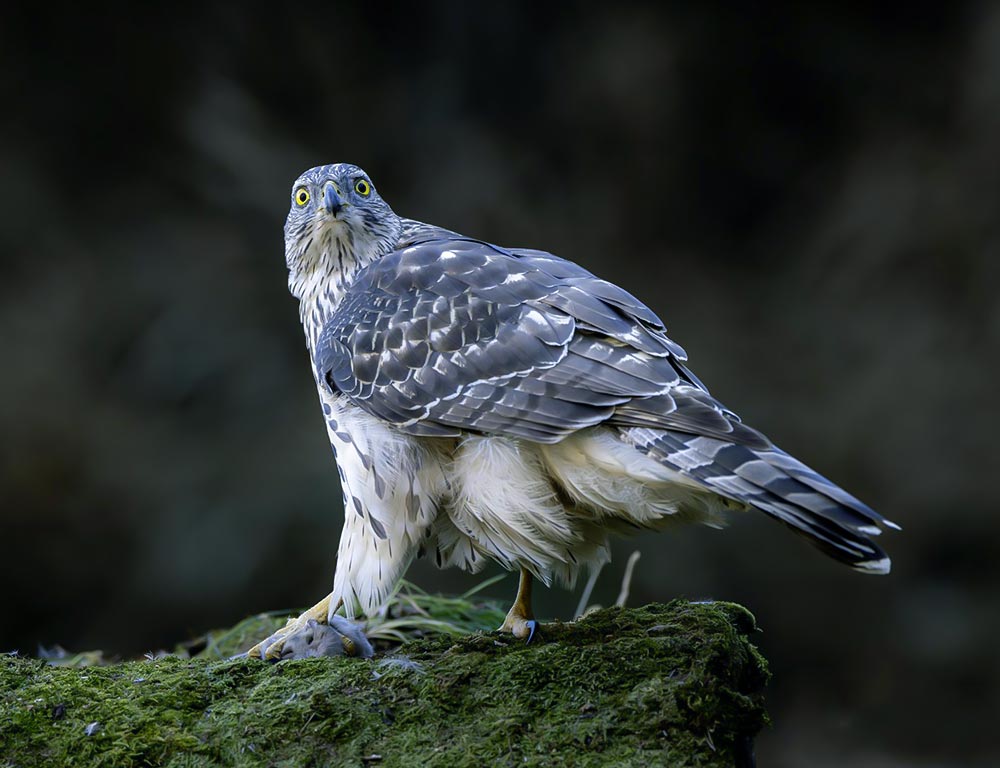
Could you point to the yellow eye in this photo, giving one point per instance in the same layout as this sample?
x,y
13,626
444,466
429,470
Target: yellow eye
x,y
362,187
301,196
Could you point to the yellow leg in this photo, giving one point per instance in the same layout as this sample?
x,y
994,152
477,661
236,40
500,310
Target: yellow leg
x,y
271,647
520,620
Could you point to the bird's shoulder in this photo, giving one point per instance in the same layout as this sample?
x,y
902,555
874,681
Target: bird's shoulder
x,y
466,283
434,261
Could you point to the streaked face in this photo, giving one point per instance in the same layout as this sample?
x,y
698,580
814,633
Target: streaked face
x,y
336,207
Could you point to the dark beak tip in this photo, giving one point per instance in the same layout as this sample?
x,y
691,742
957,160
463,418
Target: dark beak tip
x,y
332,201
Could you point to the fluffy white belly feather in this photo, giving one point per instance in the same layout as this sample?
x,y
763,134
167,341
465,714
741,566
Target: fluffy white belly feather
x,y
547,508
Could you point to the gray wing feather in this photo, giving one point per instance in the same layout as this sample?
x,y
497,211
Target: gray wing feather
x,y
778,484
448,335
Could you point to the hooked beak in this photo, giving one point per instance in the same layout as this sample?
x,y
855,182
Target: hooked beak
x,y
331,200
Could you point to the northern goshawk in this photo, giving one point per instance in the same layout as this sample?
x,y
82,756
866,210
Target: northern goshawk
x,y
489,403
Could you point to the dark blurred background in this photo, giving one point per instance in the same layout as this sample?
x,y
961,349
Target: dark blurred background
x,y
810,197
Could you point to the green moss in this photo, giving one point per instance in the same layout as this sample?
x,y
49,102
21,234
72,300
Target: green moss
x,y
676,684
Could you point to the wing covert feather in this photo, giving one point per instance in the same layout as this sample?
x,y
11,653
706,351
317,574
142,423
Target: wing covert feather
x,y
450,334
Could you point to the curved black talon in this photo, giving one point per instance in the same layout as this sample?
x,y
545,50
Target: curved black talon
x,y
532,625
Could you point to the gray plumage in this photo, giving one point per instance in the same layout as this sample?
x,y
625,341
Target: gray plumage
x,y
444,338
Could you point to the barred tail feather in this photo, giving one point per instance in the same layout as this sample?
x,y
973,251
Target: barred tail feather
x,y
779,485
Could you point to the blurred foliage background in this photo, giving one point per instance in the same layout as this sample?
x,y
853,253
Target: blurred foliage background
x,y
809,196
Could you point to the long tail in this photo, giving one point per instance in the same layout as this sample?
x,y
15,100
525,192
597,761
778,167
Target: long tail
x,y
779,485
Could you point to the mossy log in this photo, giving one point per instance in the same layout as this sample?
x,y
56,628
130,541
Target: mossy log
x,y
678,685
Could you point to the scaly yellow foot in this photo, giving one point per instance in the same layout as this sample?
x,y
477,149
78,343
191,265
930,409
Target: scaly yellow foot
x,y
315,633
520,620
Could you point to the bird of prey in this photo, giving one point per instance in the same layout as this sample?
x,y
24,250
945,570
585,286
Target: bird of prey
x,y
491,403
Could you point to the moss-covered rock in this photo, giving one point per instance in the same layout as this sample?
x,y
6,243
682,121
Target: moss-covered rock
x,y
676,684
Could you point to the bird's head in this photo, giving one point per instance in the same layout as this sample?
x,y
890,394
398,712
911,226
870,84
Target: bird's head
x,y
337,223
